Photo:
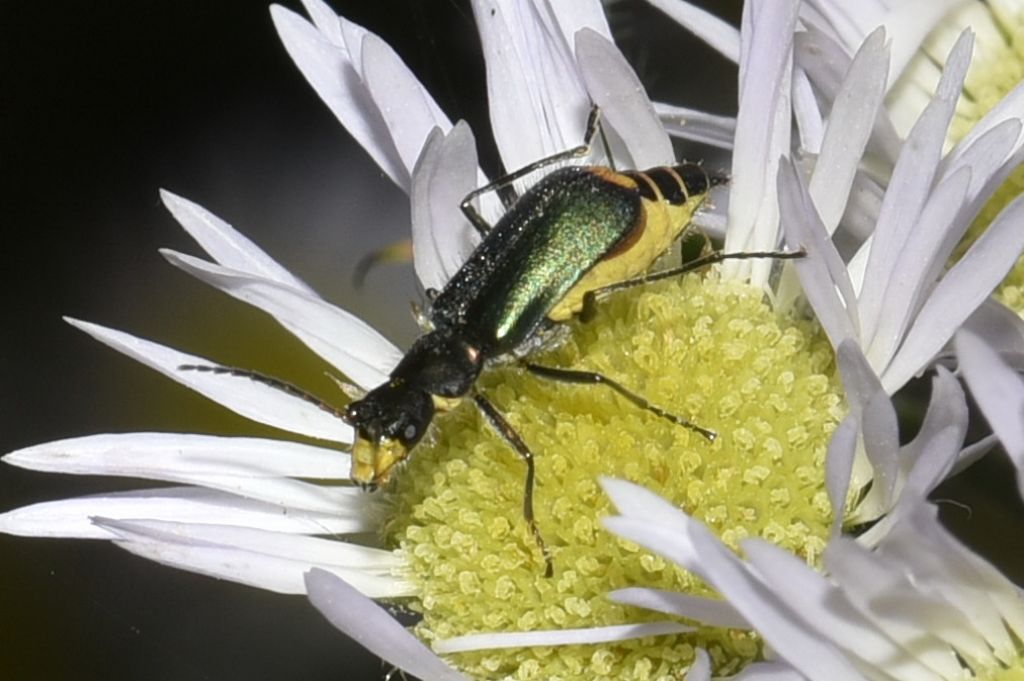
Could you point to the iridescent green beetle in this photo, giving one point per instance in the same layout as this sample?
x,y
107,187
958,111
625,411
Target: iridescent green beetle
x,y
579,232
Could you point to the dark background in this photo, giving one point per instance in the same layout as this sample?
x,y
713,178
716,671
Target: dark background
x,y
101,105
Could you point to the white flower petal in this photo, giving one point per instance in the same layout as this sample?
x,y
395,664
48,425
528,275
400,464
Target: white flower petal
x,y
909,23
614,86
442,237
999,392
909,188
408,110
822,273
881,444
699,126
656,524
225,245
850,123
558,637
240,394
571,17
711,612
826,64
990,157
939,564
251,467
902,289
882,593
808,116
769,671
700,670
931,455
1001,327
842,449
762,134
261,558
344,340
538,105
958,294
330,69
827,609
718,34
372,627
72,517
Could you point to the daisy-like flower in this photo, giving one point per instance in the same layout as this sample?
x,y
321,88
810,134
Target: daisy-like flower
x,y
919,605
710,347
923,35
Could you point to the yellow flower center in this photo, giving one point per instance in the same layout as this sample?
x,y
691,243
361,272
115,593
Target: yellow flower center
x,y
711,351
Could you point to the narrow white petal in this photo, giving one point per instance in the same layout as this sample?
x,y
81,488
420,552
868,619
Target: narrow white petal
x,y
934,450
241,395
73,517
987,156
763,127
1001,327
345,341
908,191
832,615
225,245
958,294
806,112
442,237
558,637
699,126
330,69
940,564
700,670
614,86
881,444
909,23
1009,108
656,524
826,63
882,592
770,671
408,110
849,126
371,626
899,291
705,610
538,105
999,392
822,273
262,560
250,467
842,449
718,34
571,17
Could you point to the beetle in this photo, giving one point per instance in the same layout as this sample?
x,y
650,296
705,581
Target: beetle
x,y
580,232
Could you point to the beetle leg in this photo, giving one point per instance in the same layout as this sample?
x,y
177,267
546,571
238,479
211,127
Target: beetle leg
x,y
508,433
695,264
594,378
473,215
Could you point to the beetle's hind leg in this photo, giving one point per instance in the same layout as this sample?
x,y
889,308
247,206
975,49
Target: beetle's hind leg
x,y
508,433
473,215
590,297
595,378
